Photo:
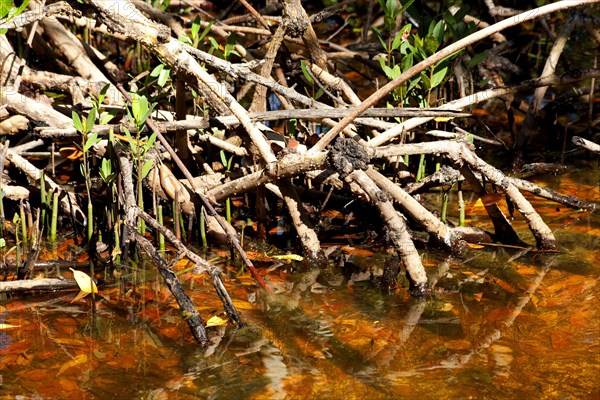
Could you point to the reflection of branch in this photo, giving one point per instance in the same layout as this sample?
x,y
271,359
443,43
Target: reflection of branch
x,y
411,319
457,360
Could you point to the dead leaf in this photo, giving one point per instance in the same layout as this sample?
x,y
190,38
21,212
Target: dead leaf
x,y
80,359
84,281
356,251
474,245
216,321
458,344
288,257
8,326
504,285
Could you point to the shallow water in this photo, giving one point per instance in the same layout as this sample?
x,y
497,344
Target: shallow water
x,y
496,326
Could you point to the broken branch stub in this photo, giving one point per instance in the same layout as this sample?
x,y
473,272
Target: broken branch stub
x,y
347,155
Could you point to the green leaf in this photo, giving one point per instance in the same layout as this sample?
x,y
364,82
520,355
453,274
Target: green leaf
x,y
77,122
213,43
90,120
157,70
405,6
430,44
319,94
477,58
407,62
381,39
205,31
92,139
5,6
438,31
195,27
397,41
146,168
392,8
150,142
131,141
439,73
106,170
426,81
163,77
389,72
460,14
186,40
304,69
414,83
223,158
107,116
231,41
102,93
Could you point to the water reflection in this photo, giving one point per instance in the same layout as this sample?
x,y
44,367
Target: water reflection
x,y
502,323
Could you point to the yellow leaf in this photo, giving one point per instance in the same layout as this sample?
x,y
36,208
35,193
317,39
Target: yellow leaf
x,y
243,305
289,257
80,359
475,245
85,283
215,321
8,326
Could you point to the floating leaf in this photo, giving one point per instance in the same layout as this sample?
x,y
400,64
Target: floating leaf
x,y
215,321
85,283
356,251
458,344
504,285
475,246
80,359
8,326
289,257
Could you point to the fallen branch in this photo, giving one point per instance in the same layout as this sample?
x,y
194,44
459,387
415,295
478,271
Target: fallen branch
x,y
37,284
586,144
